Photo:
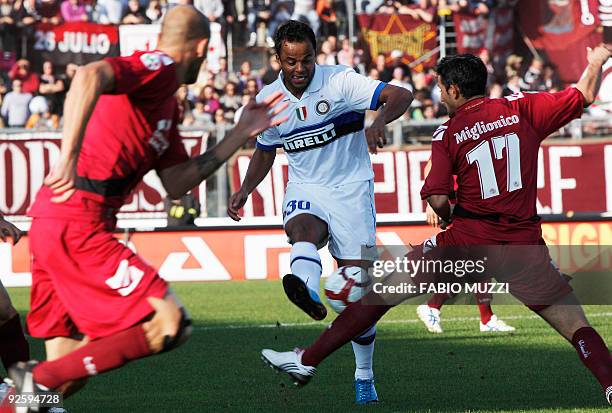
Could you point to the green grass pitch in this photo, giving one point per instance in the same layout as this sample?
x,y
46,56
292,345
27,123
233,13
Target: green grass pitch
x,y
462,370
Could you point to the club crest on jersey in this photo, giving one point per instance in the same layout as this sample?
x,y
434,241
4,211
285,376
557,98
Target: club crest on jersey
x,y
301,113
322,107
151,61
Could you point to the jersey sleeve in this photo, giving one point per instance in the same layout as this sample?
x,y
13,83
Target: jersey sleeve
x,y
360,92
176,153
440,178
548,112
269,139
146,74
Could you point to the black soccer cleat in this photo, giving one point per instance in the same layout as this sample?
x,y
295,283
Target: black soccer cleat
x,y
306,299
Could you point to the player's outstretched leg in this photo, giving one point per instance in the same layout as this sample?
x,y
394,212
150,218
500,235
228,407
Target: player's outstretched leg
x,y
363,347
167,329
569,320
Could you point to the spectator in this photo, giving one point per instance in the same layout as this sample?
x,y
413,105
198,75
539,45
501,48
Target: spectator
x,y
417,12
26,15
550,80
154,11
207,97
304,10
327,15
74,11
42,116
346,54
67,77
399,79
29,80
184,104
532,79
230,100
279,13
329,52
15,105
374,74
134,14
272,71
49,11
396,61
513,85
220,120
384,72
212,9
251,88
258,12
243,75
8,22
109,11
201,117
51,87
485,56
513,65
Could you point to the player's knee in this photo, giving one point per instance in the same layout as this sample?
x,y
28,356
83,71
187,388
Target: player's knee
x,y
304,230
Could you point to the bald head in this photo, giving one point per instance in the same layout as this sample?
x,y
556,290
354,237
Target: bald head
x,y
182,24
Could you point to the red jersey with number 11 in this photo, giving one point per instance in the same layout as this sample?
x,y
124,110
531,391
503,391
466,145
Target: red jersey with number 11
x,y
492,146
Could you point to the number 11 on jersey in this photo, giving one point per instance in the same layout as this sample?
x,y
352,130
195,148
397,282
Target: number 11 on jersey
x,y
481,154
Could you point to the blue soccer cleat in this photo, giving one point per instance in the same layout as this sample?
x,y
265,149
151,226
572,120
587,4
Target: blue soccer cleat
x,y
365,392
306,299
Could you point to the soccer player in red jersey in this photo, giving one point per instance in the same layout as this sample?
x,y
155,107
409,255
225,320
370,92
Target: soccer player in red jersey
x,y
96,303
492,146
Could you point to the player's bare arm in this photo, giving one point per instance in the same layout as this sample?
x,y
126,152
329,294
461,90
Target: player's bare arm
x,y
89,83
7,229
590,81
441,206
256,118
396,101
431,216
260,165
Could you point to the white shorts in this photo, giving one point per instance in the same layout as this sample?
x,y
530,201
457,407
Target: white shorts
x,y
348,210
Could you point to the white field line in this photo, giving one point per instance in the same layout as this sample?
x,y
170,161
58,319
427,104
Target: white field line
x,y
382,322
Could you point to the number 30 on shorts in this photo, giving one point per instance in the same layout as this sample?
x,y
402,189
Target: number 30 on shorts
x,y
293,205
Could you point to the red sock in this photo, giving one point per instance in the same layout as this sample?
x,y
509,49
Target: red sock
x,y
594,354
355,319
100,355
13,344
485,313
437,300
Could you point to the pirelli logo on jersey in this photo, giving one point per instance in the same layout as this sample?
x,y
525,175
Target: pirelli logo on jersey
x,y
315,136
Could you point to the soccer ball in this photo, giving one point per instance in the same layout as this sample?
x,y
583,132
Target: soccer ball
x,y
346,285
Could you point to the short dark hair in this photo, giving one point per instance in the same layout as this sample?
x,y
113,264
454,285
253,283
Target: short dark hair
x,y
465,71
293,31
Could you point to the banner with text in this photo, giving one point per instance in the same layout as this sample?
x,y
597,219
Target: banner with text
x,y
25,159
77,42
387,32
260,254
573,176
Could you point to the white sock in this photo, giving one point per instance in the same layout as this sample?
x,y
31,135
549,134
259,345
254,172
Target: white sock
x,y
306,264
364,354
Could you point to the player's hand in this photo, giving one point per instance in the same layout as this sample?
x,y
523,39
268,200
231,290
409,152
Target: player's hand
x,y
61,180
599,55
9,230
257,117
432,217
375,135
236,201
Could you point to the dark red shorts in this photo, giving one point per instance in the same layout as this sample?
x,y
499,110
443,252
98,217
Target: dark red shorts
x,y
523,262
85,281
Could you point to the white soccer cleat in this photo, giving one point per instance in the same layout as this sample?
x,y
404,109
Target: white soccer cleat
x,y
495,325
289,362
609,395
430,317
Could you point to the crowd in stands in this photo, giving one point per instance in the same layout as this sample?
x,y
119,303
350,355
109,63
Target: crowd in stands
x,y
34,99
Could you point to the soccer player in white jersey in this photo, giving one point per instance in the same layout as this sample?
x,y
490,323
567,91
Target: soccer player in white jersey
x,y
329,197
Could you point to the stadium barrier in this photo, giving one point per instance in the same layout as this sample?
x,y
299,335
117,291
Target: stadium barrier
x,y
238,252
573,175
